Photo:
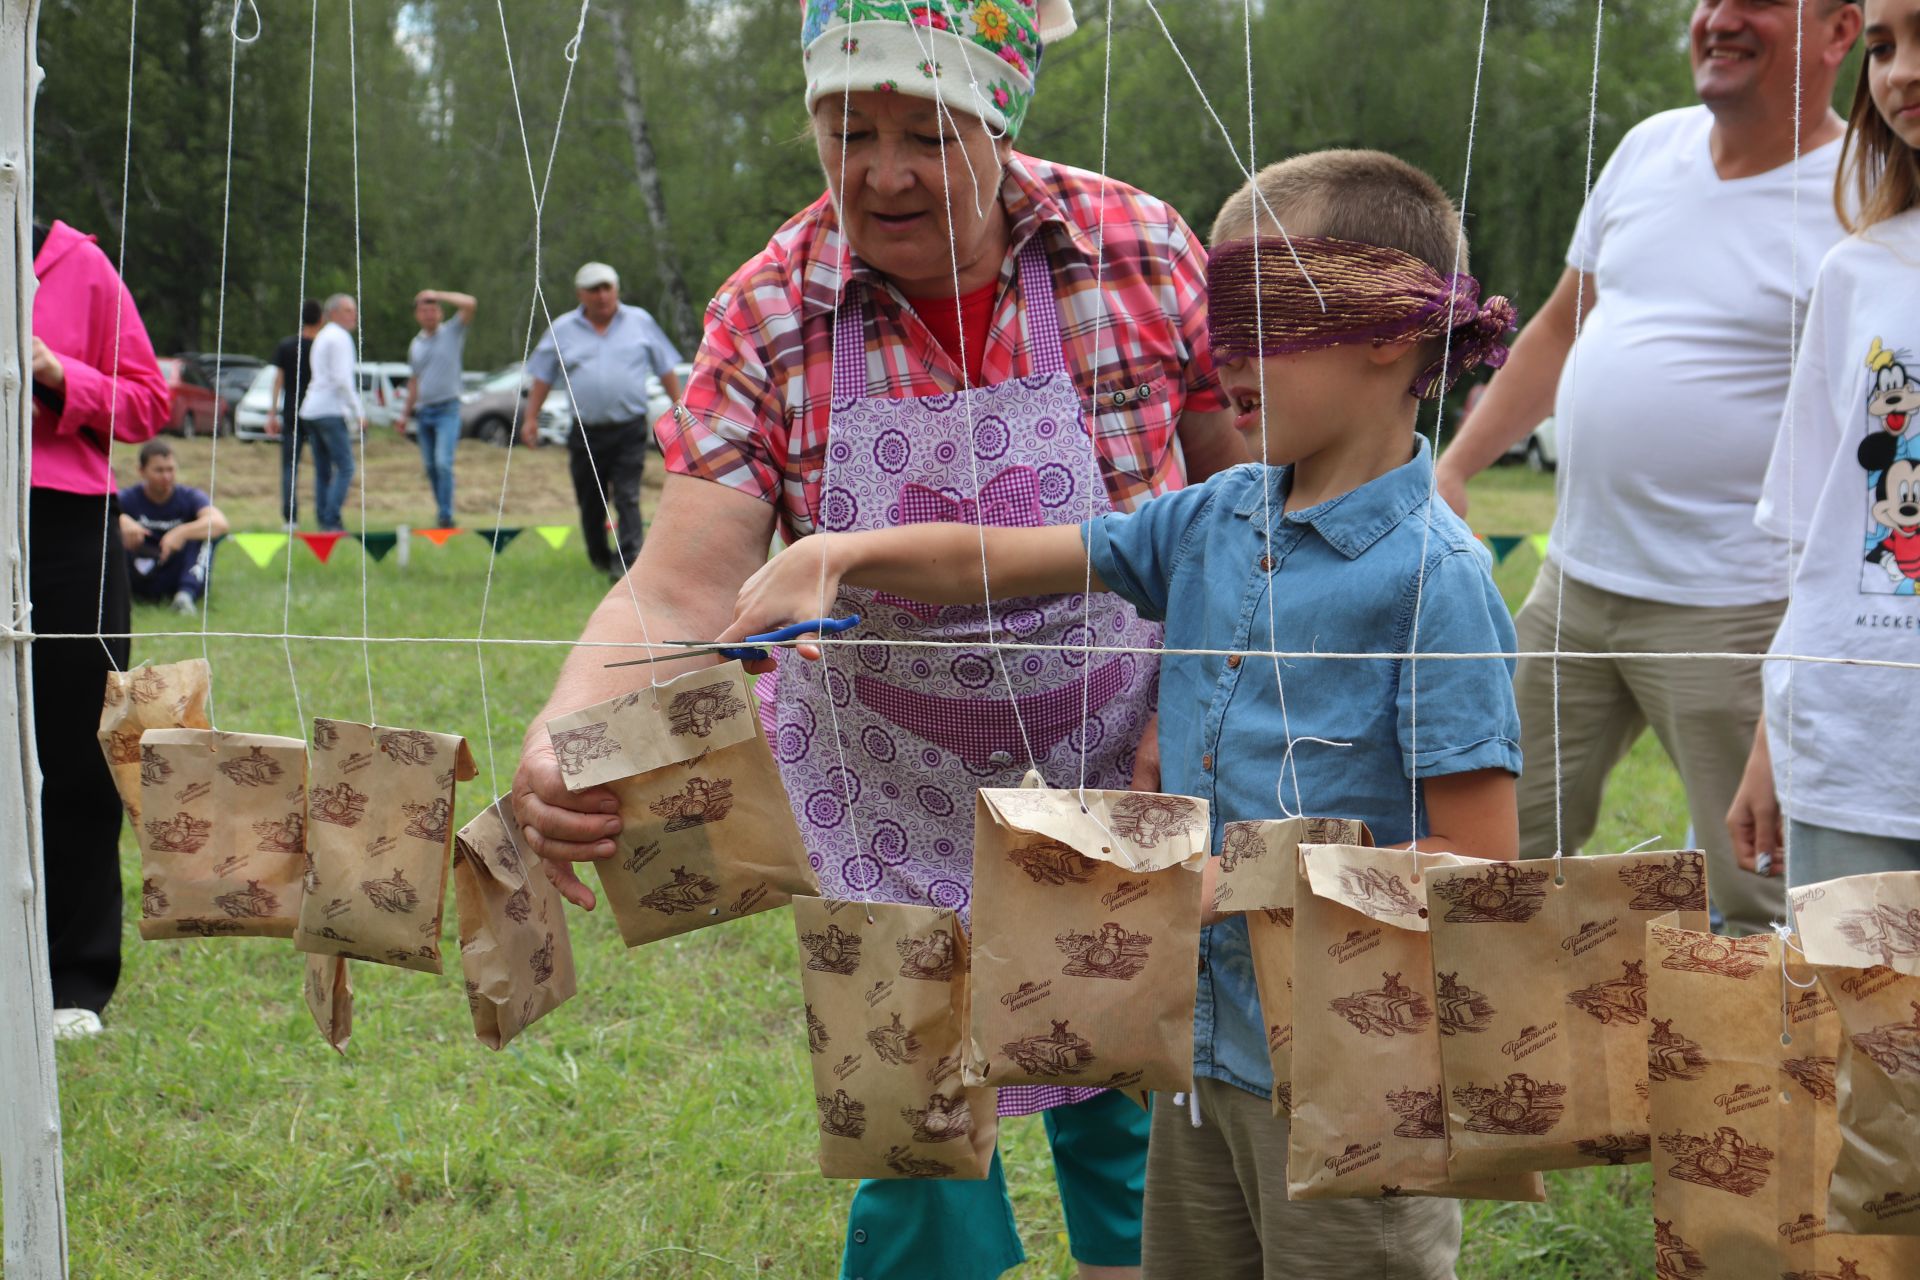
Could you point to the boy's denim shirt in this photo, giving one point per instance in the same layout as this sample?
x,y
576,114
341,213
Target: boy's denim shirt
x,y
1341,577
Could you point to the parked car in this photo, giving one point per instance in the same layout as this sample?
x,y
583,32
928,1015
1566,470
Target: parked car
x,y
235,375
490,412
1540,450
383,393
250,414
197,407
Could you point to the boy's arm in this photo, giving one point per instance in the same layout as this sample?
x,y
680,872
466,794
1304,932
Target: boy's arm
x,y
935,563
1473,814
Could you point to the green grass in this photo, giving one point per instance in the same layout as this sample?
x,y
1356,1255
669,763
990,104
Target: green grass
x,y
660,1125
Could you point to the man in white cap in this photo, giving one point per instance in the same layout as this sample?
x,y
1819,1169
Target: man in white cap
x,y
602,353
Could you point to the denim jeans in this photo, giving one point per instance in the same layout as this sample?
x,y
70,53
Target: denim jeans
x,y
295,435
438,428
332,467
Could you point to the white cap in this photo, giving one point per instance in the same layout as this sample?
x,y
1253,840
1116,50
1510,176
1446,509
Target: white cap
x,y
595,273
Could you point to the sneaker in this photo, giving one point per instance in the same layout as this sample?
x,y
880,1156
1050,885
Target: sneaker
x,y
75,1024
184,603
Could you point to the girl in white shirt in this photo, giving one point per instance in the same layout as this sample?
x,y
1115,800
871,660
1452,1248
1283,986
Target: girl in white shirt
x,y
1838,754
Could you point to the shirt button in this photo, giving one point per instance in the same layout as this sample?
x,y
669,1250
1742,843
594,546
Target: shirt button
x,y
1206,761
1266,564
1000,758
813,477
1233,662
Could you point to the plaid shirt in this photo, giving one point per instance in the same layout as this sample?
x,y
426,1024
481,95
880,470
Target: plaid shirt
x,y
758,404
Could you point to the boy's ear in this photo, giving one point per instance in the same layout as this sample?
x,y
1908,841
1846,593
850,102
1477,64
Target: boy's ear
x,y
1388,353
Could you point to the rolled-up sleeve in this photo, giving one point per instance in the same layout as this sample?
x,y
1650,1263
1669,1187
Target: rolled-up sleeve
x,y
544,363
1457,715
1137,553
731,428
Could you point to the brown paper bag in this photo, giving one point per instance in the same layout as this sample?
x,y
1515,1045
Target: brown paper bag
x,y
1541,1001
707,832
1259,863
1862,935
1745,1129
1086,931
1369,1115
514,946
379,832
222,846
173,696
329,993
885,989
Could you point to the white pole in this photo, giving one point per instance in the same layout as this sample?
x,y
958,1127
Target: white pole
x,y
30,1172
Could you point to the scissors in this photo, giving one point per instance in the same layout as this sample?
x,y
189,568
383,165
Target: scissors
x,y
745,652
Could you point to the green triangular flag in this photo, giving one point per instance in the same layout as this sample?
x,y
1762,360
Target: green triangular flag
x,y
260,547
378,544
555,534
1538,541
1503,545
499,537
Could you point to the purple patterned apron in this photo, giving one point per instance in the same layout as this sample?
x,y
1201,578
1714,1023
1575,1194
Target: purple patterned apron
x,y
923,729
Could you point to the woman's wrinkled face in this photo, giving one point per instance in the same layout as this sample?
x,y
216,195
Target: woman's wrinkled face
x,y
918,189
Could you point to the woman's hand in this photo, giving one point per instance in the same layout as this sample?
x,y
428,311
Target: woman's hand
x,y
798,583
562,826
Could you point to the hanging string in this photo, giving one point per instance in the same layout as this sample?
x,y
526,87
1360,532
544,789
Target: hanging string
x,y
359,330
292,496
1093,408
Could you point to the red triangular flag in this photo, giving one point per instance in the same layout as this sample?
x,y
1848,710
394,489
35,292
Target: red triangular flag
x,y
321,544
438,537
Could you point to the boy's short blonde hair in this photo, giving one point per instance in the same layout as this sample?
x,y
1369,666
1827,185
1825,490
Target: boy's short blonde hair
x,y
1365,196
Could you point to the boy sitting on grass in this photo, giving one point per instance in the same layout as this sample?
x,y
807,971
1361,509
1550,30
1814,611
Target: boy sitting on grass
x,y
1328,335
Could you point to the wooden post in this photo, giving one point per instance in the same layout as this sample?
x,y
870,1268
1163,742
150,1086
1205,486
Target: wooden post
x,y
30,1171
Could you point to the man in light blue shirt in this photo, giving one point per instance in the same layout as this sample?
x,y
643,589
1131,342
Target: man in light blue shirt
x,y
602,353
433,392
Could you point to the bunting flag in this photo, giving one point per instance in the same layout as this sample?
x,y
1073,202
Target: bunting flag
x,y
438,537
321,544
1538,541
378,544
499,537
260,547
555,534
1503,545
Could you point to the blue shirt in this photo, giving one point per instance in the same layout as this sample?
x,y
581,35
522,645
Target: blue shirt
x,y
182,506
1341,577
606,373
435,361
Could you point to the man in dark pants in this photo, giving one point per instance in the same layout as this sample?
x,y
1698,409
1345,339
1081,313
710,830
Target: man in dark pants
x,y
293,370
94,379
602,353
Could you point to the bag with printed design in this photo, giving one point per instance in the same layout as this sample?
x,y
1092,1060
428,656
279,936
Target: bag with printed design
x,y
329,994
1086,937
885,989
379,837
1259,863
173,696
1741,1091
1541,1002
707,833
1369,1111
223,839
515,951
1862,936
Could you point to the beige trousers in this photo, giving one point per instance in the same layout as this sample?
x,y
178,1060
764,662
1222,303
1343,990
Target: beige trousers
x,y
1217,1206
1703,711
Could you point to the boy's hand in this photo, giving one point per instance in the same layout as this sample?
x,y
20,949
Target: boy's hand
x,y
796,584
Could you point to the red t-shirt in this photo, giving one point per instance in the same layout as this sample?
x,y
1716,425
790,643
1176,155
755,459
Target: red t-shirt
x,y
944,317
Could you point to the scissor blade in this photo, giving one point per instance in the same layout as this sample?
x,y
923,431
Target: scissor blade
x,y
690,652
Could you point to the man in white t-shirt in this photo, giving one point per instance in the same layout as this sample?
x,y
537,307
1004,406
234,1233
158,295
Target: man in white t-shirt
x,y
1696,250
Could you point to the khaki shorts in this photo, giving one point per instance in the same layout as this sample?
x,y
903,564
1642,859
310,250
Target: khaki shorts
x,y
1217,1206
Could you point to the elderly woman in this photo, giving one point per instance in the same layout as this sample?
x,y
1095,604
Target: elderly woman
x,y
953,331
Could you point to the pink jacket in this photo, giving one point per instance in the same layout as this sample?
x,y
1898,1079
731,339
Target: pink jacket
x,y
74,313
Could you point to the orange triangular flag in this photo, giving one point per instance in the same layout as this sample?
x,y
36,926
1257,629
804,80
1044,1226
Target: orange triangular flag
x,y
438,537
321,544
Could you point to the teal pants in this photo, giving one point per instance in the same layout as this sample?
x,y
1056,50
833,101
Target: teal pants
x,y
911,1229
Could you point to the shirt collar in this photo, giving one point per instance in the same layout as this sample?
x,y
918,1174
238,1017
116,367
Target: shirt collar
x,y
832,266
1358,518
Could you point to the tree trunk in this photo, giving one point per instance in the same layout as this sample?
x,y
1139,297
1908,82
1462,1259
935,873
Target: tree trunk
x,y
680,318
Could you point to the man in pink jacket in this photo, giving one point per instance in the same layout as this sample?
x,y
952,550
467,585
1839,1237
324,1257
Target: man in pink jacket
x,y
84,321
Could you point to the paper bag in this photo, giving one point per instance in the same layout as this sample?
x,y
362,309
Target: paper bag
x,y
1862,935
1259,862
1369,1115
885,990
707,832
514,947
1744,1126
222,845
1541,1002
173,696
379,832
329,993
1086,933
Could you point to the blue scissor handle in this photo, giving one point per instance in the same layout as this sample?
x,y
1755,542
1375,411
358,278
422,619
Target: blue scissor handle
x,y
821,626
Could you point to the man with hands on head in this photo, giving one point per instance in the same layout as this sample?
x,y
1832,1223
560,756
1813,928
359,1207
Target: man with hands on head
x,y
433,392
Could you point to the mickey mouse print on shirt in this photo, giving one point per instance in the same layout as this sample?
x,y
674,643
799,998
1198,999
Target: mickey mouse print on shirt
x,y
1890,455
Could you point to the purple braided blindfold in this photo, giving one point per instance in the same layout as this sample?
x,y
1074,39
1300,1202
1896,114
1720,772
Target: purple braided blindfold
x,y
1259,304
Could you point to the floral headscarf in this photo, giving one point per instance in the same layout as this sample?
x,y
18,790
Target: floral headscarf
x,y
976,56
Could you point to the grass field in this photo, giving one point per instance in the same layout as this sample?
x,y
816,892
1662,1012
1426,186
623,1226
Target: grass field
x,y
659,1125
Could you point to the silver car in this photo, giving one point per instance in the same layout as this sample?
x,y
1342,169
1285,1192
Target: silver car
x,y
490,411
